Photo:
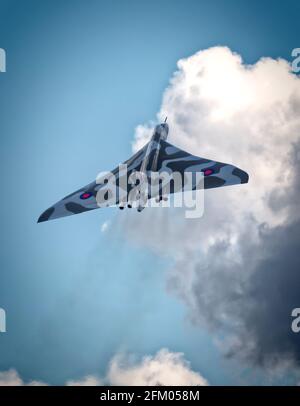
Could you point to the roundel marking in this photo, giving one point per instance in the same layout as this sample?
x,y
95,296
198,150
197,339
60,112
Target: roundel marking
x,y
207,172
85,195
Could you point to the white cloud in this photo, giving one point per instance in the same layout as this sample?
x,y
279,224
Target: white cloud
x,y
164,368
12,378
248,115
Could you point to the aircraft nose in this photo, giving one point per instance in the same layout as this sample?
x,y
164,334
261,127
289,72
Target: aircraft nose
x,y
165,127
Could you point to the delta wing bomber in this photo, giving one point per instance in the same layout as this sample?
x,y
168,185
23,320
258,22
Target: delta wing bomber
x,y
154,172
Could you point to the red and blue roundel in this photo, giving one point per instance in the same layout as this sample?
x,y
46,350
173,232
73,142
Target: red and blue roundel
x,y
207,172
85,195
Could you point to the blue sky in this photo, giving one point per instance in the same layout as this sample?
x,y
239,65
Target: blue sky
x,y
80,77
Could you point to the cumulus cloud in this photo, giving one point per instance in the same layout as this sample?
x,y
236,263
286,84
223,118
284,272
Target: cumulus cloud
x,y
12,378
237,266
164,368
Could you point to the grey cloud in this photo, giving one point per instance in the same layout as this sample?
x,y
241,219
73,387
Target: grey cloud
x,y
251,298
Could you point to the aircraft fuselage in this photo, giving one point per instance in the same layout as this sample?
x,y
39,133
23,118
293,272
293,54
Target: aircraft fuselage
x,y
160,133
